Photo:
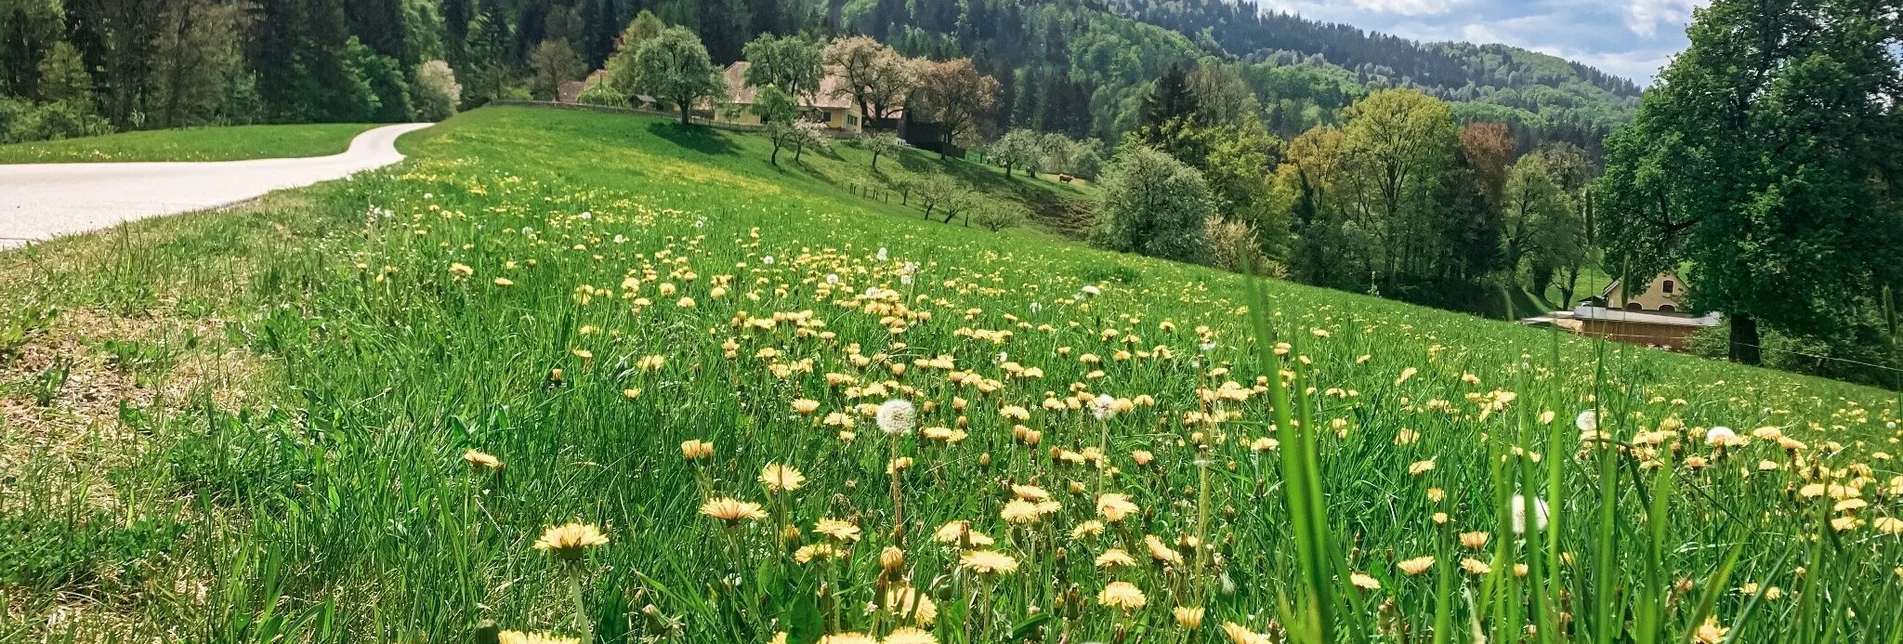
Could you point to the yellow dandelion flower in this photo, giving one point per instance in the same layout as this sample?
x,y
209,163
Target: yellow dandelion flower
x,y
1475,566
1239,634
848,638
568,542
805,406
519,637
732,511
1113,507
781,478
1364,582
988,562
1416,565
504,282
1020,511
696,449
1188,617
1710,632
1087,529
1115,558
1888,525
959,533
1162,551
1474,540
1030,493
1122,595
909,635
481,461
843,531
808,553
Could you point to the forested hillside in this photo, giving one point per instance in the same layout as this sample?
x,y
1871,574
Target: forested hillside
x,y
78,67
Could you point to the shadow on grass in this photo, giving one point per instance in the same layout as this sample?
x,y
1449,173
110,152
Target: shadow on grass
x,y
702,139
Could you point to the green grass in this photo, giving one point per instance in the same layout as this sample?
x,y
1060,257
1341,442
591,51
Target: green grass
x,y
193,144
637,309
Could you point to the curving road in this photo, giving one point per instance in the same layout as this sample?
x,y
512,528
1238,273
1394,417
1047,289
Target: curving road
x,y
43,201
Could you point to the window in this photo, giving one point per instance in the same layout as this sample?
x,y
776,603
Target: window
x,y
1668,287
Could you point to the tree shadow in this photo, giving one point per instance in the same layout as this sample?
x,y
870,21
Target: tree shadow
x,y
699,138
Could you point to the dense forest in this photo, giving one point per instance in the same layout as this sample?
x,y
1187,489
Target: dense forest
x,y
77,67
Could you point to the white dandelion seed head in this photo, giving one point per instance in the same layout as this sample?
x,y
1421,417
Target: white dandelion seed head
x,y
1035,307
872,291
832,278
1519,514
1208,346
621,239
1104,407
527,230
906,279
881,254
429,195
1001,357
587,216
768,260
1587,421
1719,434
897,416
1092,290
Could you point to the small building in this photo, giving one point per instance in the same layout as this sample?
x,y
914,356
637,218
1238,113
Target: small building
x,y
1655,317
1664,294
832,107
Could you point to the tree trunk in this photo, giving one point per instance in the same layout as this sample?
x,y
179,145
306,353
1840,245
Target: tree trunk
x,y
684,112
1744,340
776,153
875,162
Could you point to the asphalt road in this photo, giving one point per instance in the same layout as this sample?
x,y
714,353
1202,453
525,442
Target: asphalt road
x,y
43,201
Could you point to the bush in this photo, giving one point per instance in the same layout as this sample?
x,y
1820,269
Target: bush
x,y
602,94
59,120
999,215
437,92
1155,205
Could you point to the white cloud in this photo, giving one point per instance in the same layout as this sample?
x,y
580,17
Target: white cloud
x,y
1643,17
1410,7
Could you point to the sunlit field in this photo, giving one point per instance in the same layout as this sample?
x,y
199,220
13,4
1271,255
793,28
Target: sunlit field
x,y
195,144
587,376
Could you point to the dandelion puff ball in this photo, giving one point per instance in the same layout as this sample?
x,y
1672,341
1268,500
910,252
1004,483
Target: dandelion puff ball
x,y
1519,514
897,416
1587,421
1104,407
1719,435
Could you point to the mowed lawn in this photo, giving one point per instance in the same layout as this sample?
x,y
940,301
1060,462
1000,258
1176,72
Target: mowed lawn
x,y
235,143
352,412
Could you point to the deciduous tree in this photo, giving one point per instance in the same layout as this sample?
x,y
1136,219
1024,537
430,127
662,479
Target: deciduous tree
x,y
674,67
959,96
1154,205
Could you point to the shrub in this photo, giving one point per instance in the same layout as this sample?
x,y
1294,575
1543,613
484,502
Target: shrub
x,y
1155,205
998,215
437,92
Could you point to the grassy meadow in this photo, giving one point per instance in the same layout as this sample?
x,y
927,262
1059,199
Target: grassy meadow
x,y
236,143
371,410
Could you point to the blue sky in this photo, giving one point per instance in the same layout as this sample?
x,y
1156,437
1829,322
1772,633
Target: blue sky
x,y
1632,38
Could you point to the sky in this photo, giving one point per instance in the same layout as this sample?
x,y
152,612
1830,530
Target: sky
x,y
1631,38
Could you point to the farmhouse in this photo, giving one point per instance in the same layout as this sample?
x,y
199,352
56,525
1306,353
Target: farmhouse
x,y
833,107
1655,317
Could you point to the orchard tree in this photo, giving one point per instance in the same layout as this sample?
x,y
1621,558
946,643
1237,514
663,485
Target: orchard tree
x,y
674,67
876,76
552,63
958,96
1018,149
881,144
1155,205
1763,158
793,63
780,113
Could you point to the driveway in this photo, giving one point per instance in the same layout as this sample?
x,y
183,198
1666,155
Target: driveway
x,y
43,201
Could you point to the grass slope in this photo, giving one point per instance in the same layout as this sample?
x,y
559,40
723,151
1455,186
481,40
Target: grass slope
x,y
235,143
580,294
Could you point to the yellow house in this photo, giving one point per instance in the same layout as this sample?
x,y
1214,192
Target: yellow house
x,y
1654,318
838,111
1665,294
